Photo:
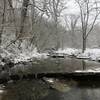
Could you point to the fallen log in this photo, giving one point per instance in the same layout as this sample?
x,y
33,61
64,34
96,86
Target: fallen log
x,y
74,76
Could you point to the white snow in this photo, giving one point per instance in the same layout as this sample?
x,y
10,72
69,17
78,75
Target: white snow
x,y
93,54
69,51
97,70
50,80
25,55
1,91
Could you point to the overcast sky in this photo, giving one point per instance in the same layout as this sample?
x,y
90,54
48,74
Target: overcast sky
x,y
72,7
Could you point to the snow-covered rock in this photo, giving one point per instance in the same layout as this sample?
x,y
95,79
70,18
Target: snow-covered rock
x,y
69,51
93,54
97,70
83,56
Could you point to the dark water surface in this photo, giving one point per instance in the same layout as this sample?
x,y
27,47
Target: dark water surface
x,y
61,89
52,65
37,90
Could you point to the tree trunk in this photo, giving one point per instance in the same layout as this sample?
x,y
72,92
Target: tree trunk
x,y
3,20
23,14
23,18
84,45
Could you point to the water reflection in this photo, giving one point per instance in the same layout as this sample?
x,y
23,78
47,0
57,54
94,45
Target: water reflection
x,y
52,65
84,65
25,90
61,89
37,90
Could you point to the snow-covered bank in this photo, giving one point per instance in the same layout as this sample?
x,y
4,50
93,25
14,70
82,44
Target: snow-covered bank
x,y
26,55
97,70
93,54
22,56
69,51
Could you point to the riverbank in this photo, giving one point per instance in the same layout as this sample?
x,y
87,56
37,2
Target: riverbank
x,y
27,55
34,64
51,67
91,54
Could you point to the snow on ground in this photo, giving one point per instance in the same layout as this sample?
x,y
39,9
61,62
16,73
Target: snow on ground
x,y
97,70
25,55
69,51
93,54
28,55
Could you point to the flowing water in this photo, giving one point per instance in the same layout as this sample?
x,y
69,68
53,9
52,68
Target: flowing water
x,y
37,90
60,89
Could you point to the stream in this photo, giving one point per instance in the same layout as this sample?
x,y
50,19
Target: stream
x,y
59,89
37,90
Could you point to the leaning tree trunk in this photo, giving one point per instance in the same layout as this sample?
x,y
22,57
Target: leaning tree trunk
x,y
23,14
23,18
3,20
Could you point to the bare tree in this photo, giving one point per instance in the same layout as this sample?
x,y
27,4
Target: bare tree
x,y
23,18
34,38
55,8
3,20
23,14
30,14
50,10
71,21
89,12
13,13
